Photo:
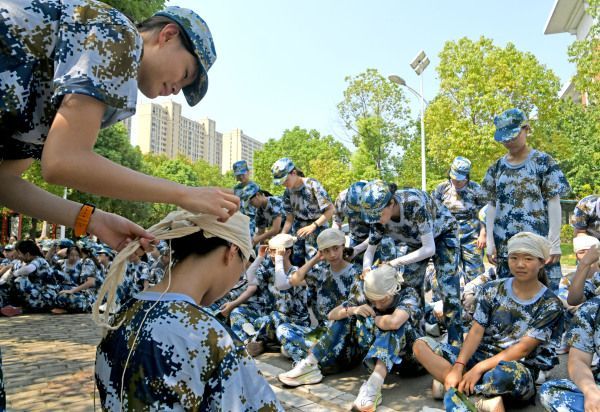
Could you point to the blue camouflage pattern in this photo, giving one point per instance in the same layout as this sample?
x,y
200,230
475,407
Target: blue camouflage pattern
x,y
347,205
460,168
245,207
465,204
177,340
37,291
265,216
520,194
586,215
53,48
280,169
374,197
508,124
240,168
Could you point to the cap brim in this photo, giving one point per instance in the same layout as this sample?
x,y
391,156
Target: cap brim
x,y
371,218
197,90
506,134
458,176
279,182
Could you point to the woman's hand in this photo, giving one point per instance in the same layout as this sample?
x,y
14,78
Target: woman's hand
x,y
481,241
262,250
305,231
365,311
117,232
469,380
454,376
211,200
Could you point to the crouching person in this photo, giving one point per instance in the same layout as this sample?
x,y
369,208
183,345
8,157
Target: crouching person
x,y
516,325
379,326
582,391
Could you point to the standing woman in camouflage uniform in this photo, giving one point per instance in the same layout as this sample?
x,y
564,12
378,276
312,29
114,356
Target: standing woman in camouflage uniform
x,y
307,205
413,218
164,351
71,67
523,189
464,199
241,172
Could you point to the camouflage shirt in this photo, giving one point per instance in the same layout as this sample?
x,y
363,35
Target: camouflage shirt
x,y
586,215
359,230
329,289
183,359
463,203
245,207
520,194
507,319
52,48
419,216
591,287
584,332
265,216
306,202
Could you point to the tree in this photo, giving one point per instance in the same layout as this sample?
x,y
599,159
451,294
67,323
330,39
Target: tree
x,y
313,154
137,10
477,81
210,175
374,109
585,54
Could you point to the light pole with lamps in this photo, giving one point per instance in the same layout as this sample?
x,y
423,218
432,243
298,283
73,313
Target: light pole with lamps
x,y
419,64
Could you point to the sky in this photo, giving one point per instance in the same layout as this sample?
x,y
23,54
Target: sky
x,y
282,63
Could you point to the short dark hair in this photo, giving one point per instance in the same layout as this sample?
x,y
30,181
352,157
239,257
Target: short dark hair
x,y
157,23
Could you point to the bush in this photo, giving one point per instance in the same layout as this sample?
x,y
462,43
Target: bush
x,y
566,234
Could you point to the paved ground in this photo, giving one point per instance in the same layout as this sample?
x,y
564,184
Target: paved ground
x,y
49,360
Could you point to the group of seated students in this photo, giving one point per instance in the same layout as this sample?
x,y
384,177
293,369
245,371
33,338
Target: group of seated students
x,y
61,276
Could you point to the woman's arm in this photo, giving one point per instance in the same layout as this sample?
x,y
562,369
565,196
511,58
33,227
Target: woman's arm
x,y
472,341
575,295
298,276
426,250
275,228
289,219
392,321
580,372
68,159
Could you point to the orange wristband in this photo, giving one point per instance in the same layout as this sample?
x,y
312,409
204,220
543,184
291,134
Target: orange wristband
x,y
83,219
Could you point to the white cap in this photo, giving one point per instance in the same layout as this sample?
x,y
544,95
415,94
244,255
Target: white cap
x,y
584,242
330,237
381,282
530,243
282,241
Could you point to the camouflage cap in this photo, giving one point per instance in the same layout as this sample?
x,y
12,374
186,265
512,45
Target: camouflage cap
x,y
281,169
461,166
509,124
248,191
353,198
9,247
240,167
374,198
204,48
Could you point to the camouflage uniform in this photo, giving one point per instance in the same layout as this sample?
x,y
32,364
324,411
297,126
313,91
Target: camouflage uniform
x,y
586,215
327,290
37,291
53,48
359,229
465,204
140,272
257,309
506,320
81,302
265,216
421,215
183,359
520,194
306,204
245,207
584,335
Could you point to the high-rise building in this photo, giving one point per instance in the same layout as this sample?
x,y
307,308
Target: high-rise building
x,y
238,146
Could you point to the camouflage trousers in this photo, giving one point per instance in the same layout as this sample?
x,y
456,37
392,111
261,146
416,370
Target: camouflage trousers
x,y
445,262
470,260
262,323
562,395
298,339
553,271
304,248
34,296
80,302
511,379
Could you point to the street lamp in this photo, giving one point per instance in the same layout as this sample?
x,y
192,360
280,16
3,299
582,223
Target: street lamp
x,y
419,64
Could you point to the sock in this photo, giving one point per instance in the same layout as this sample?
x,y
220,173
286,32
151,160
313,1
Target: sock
x,y
375,380
311,359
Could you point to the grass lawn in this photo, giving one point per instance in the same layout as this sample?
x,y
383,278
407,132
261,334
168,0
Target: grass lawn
x,y
568,256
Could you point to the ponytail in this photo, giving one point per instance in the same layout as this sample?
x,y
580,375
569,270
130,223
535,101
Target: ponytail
x,y
543,277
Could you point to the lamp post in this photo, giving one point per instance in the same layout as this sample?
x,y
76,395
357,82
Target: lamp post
x,y
419,64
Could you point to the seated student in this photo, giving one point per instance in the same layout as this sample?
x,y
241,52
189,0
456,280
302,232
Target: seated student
x,y
586,216
586,281
378,326
328,277
163,351
582,391
517,323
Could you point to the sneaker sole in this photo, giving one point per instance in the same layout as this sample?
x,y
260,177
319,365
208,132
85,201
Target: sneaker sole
x,y
373,409
295,382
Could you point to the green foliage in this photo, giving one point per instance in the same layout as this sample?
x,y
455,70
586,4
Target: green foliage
x,y
323,158
375,110
477,81
137,10
586,55
566,234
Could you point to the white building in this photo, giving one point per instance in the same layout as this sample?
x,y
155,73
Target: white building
x,y
238,146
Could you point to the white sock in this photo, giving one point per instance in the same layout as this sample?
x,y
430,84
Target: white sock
x,y
375,380
311,359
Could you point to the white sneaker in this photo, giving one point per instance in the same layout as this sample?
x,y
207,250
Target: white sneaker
x,y
304,373
368,398
437,389
541,378
495,404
